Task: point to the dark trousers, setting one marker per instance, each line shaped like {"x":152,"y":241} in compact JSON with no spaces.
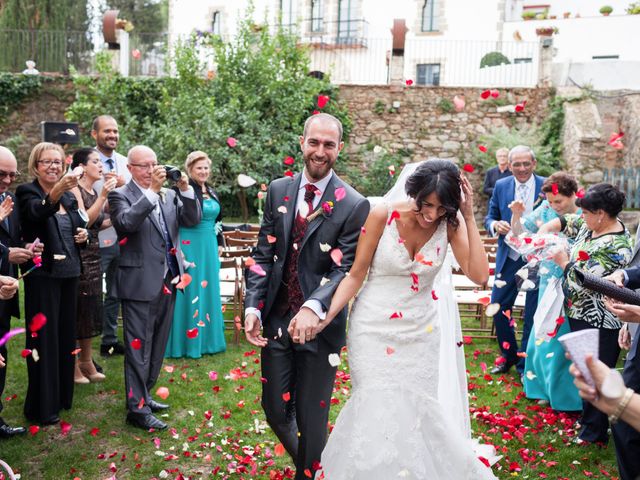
{"x":150,"y":322}
{"x":304,"y":372}
{"x":109,"y":263}
{"x":506,"y":297}
{"x":627,"y":438}
{"x":595,"y":424}
{"x":5,"y":326}
{"x":51,"y":384}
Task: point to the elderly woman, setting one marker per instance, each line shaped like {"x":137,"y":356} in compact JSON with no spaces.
{"x":198,"y":306}
{"x":89,"y":316}
{"x":546,"y":369}
{"x":50,"y":213}
{"x":601,"y":245}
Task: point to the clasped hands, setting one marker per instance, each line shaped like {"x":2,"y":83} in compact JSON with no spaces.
{"x":305,"y":326}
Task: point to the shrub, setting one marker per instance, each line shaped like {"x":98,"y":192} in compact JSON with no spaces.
{"x":607,"y":9}
{"x":16,"y":88}
{"x":493,"y":59}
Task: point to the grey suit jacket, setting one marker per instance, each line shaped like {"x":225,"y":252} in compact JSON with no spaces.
{"x":142,"y":256}
{"x":340,"y":229}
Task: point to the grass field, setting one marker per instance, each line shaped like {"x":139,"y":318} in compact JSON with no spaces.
{"x":217,"y":428}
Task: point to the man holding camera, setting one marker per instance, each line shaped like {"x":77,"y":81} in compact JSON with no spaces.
{"x":146,"y":218}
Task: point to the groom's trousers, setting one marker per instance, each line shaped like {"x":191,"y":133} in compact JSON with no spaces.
{"x":297,"y":392}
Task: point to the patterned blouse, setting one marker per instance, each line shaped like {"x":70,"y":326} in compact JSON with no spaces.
{"x":598,"y":255}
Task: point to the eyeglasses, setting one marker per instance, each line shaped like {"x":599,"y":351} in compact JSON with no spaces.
{"x":144,"y":166}
{"x":11,"y":175}
{"x":48,"y":163}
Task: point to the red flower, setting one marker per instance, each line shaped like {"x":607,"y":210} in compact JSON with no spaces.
{"x":482,"y":148}
{"x":467,"y":167}
{"x":583,"y":256}
{"x":288,"y":173}
{"x":408,"y":82}
{"x":554,"y":188}
{"x":289,"y":161}
{"x":232,"y":142}
{"x":520,"y":106}
{"x":580,"y":193}
{"x":485,"y":94}
{"x":322,"y":101}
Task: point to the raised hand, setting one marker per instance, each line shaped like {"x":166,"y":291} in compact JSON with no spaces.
{"x":6,"y":207}
{"x":466,"y":202}
{"x":517,"y":207}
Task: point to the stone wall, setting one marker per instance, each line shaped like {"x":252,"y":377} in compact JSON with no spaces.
{"x":420,"y":127}
{"x":630,"y":125}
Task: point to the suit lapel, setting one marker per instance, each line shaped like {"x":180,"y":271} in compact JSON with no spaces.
{"x":287,"y":219}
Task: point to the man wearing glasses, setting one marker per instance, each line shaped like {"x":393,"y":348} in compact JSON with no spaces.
{"x":105,"y":132}
{"x":150,"y":265}
{"x":11,"y":254}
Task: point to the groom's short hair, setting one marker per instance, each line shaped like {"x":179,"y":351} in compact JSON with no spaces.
{"x":322,"y":116}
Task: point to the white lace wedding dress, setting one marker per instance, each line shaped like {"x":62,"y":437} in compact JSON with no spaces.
{"x":395,"y":425}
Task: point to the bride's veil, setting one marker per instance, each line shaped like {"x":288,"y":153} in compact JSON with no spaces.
{"x":452,"y":395}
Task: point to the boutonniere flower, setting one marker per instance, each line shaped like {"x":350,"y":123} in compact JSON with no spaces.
{"x":326,"y":209}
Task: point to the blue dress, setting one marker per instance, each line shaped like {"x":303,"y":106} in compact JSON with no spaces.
{"x":546,"y":369}
{"x":199,"y":306}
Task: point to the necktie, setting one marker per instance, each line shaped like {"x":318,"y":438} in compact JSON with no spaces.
{"x":523,"y":193}
{"x":172,"y":262}
{"x":309,"y":195}
{"x":110,"y":164}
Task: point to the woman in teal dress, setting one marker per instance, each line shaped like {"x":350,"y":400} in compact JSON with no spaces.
{"x":198,"y":305}
{"x":547,"y":376}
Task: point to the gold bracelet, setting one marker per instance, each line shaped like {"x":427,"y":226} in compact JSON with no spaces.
{"x":626,"y":398}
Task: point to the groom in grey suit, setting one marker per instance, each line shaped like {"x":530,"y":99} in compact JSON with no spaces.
{"x":295,"y":277}
{"x":146,"y":218}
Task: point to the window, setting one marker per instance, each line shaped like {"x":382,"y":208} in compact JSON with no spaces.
{"x":288,"y":13}
{"x":523,"y":60}
{"x":428,"y":74}
{"x":215,"y":23}
{"x":605,"y":57}
{"x":347,"y":24}
{"x":429,"y":23}
{"x":316,"y":16}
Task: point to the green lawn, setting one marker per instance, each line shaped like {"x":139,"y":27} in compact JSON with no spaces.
{"x":217,"y":428}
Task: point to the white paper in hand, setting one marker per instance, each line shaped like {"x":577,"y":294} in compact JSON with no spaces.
{"x":578,"y":345}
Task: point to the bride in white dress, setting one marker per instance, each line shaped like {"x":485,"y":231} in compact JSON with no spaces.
{"x":408,"y":414}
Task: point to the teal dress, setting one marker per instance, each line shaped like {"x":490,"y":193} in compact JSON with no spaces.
{"x":546,"y":369}
{"x":199,"y":306}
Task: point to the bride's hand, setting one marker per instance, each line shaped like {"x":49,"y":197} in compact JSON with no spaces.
{"x":303,"y":327}
{"x":466,"y":202}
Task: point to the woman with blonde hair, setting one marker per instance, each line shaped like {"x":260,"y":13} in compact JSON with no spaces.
{"x":51,"y":214}
{"x":198,"y":307}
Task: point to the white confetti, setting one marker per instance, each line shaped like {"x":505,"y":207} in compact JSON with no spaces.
{"x":550,"y":354}
{"x":530,"y":375}
{"x":325,"y":247}
{"x":499,"y":283}
{"x":523,"y":273}
{"x":528,"y":285}
{"x":334,"y":359}
{"x":35,"y":355}
{"x":195,"y":300}
{"x":492,"y":309}
{"x":282,"y":209}
{"x":324,"y":281}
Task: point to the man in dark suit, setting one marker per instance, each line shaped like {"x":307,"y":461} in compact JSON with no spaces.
{"x":295,"y":276}
{"x":627,"y":438}
{"x":523,"y":186}
{"x":496,"y":173}
{"x":147,"y":218}
{"x":11,"y":254}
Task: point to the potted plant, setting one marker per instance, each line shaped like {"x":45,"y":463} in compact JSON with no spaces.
{"x":528,"y":15}
{"x":606,"y":10}
{"x":546,"y":31}
{"x":566,"y":14}
{"x":634,"y":8}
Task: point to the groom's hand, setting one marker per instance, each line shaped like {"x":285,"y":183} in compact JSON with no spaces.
{"x":252,"y":329}
{"x":302,"y":327}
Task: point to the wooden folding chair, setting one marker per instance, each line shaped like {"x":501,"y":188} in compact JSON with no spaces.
{"x":232,"y":294}
{"x":241,"y":242}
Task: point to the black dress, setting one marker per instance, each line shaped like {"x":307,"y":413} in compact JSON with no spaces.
{"x":89,"y":319}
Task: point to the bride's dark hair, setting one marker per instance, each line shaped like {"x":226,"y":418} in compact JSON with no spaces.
{"x":441,"y":177}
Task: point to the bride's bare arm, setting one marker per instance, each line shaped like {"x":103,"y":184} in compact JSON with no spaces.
{"x":465,"y":240}
{"x":367,"y":244}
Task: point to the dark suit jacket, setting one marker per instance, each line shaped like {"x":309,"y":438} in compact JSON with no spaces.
{"x":142,"y":257}
{"x":340,"y":229}
{"x":503,"y":195}
{"x":10,"y":238}
{"x":491,"y":177}
{"x":37,"y":219}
